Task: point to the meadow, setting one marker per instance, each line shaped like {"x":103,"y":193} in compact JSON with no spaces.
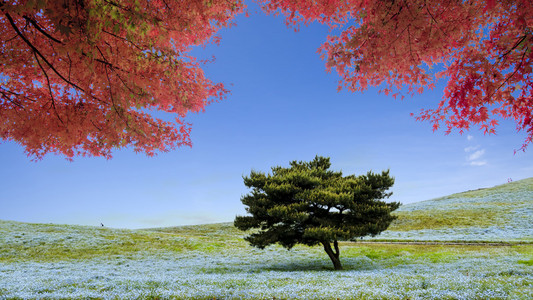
{"x":49,"y":261}
{"x":499,"y":214}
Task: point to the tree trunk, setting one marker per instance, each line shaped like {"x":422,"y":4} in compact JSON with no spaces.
{"x":334,"y":256}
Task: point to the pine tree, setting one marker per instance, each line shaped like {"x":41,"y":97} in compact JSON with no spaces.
{"x":309,"y":204}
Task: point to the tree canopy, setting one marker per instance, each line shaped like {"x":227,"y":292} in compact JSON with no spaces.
{"x":82,"y":77}
{"x":309,"y":204}
{"x":482,"y":47}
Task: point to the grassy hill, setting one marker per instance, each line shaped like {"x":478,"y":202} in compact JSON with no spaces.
{"x":214,"y":262}
{"x":500,"y":213}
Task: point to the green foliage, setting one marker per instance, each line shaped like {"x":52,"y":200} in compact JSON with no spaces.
{"x":309,"y":204}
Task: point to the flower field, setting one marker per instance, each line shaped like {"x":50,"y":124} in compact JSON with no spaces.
{"x":500,"y":214}
{"x":47,"y":261}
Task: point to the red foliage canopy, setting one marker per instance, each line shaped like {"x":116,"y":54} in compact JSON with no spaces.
{"x":483,"y":48}
{"x":82,"y":76}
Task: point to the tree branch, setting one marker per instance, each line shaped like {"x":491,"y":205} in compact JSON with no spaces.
{"x":49,"y":88}
{"x":514,"y":47}
{"x":36,"y":51}
{"x":509,"y":77}
{"x":18,"y":95}
{"x":123,"y":39}
{"x":119,"y":113}
{"x":15,"y":102}
{"x":336,"y":245}
{"x":410,"y":49}
{"x":36,"y":25}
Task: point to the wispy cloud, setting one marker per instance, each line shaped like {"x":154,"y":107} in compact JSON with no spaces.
{"x":476,"y":155}
{"x":471,"y":148}
{"x":478,"y":163}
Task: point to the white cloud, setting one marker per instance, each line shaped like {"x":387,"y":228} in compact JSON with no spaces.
{"x":469,"y":137}
{"x":476,"y":155}
{"x":474,"y":158}
{"x":471,"y":148}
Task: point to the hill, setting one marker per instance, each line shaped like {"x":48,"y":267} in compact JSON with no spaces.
{"x":503,"y":213}
{"x":500,"y":213}
{"x":49,"y":261}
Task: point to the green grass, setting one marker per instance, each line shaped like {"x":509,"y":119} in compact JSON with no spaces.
{"x":212,"y":261}
{"x":528,"y":262}
{"x":512,"y":187}
{"x":423,"y":219}
{"x":200,"y":238}
{"x":500,"y":213}
{"x":209,"y":261}
{"x":49,"y":243}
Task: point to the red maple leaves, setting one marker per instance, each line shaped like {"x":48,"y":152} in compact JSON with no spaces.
{"x":85,"y":76}
{"x":483,"y":48}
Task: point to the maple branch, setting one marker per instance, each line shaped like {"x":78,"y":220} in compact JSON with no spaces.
{"x":410,"y":49}
{"x":121,"y":38}
{"x":34,"y":23}
{"x":166,"y":4}
{"x":509,"y":77}
{"x":99,"y":129}
{"x":105,"y":62}
{"x":514,"y":47}
{"x":16,"y":94}
{"x":113,"y":67}
{"x":130,"y":89}
{"x":394,"y":15}
{"x":37,"y":52}
{"x":129,"y":10}
{"x":120,"y":112}
{"x":433,"y":18}
{"x":409,"y":9}
{"x":105,"y":59}
{"x":16,"y":102}
{"x":399,"y":35}
{"x":69,"y":65}
{"x":431,"y":15}
{"x":117,"y":5}
{"x":111,"y":92}
{"x":10,"y":39}
{"x":49,"y":88}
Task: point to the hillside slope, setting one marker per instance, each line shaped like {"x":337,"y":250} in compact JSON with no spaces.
{"x":500,"y":213}
{"x":49,"y":261}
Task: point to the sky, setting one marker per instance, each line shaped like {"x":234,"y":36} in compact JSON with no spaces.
{"x":283,"y":106}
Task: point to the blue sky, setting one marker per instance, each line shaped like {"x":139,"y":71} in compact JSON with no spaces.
{"x":283,"y":107}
